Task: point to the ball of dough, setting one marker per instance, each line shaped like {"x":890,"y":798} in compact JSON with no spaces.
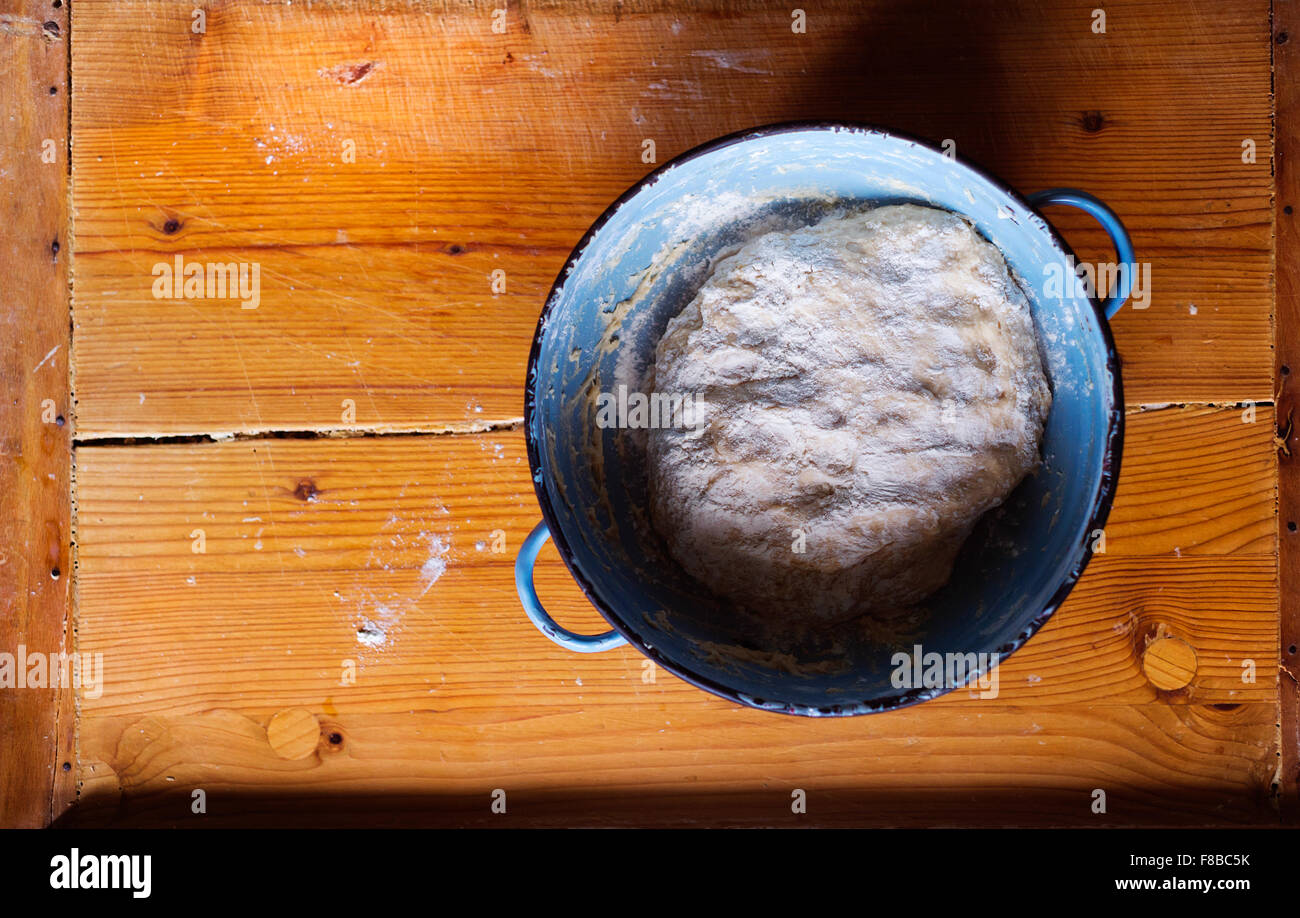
{"x":865,"y":389}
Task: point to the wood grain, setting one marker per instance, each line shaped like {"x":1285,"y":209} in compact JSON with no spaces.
{"x":696,"y":763}
{"x":478,"y":151}
{"x":347,"y":588}
{"x":1286,"y":86}
{"x":37,"y":725}
{"x":317,"y":559}
{"x":1196,"y":480}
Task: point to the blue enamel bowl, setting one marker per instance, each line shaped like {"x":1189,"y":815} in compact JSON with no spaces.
{"x":645,"y":258}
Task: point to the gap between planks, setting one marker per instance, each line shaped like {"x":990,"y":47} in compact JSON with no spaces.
{"x":324,"y":433}
{"x":505,"y":424}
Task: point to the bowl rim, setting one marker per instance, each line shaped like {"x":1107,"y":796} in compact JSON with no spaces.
{"x":1097,"y":515}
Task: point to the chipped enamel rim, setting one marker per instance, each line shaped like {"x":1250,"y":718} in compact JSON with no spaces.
{"x":1104,"y":497}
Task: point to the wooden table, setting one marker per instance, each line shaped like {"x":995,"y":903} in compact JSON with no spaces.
{"x":291,"y":528}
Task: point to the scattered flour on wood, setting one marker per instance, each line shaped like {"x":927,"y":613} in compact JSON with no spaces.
{"x":408,"y":566}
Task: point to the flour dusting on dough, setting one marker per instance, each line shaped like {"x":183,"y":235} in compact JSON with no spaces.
{"x":870,"y":386}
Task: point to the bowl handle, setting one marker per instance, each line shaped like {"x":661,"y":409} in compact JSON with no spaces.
{"x":582,"y":643}
{"x":1113,"y":227}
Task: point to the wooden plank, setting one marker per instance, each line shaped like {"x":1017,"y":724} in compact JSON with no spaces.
{"x":1286,"y":354}
{"x":477,"y":151}
{"x":700,"y":763}
{"x":37,"y":723}
{"x":259,"y":641}
{"x":1181,"y":548}
{"x":140,"y":506}
{"x":1195,"y":481}
{"x":318,"y":552}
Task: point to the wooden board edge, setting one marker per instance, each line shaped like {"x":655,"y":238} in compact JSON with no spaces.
{"x":1286,"y":355}
{"x":36,"y":414}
